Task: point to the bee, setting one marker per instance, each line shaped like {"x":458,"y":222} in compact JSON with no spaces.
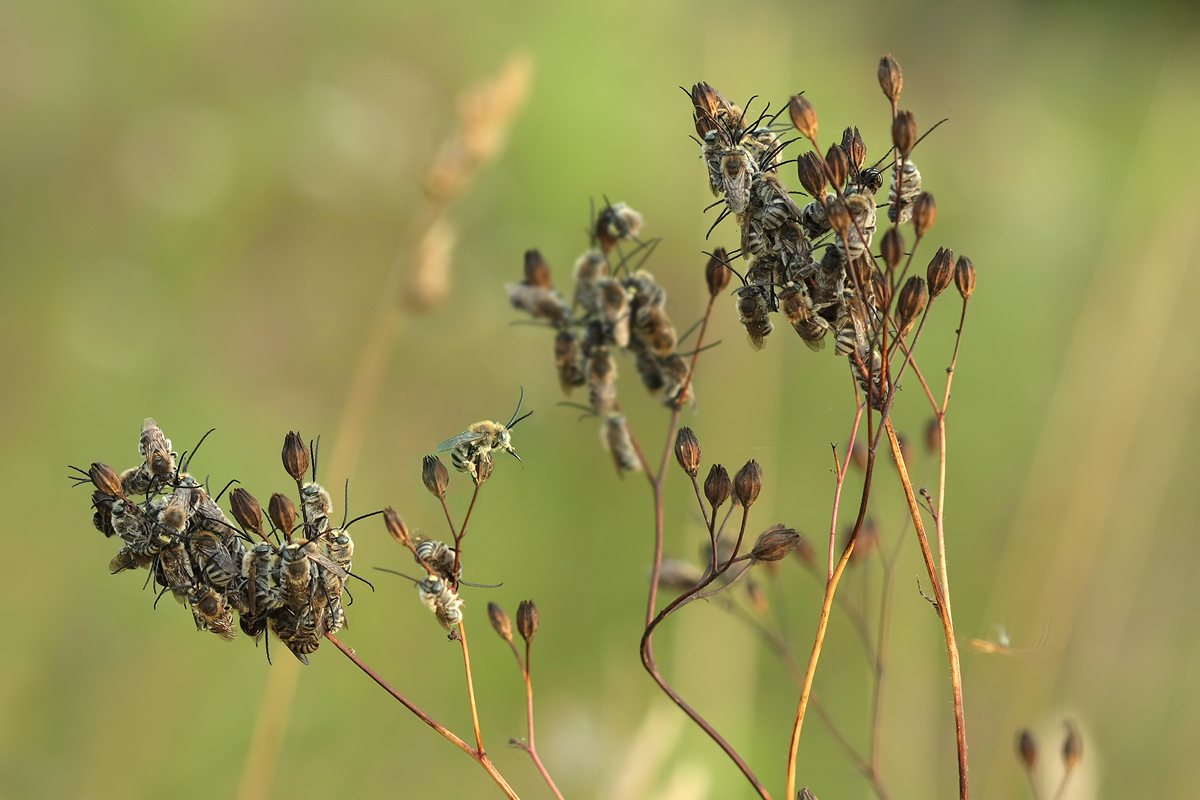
{"x":675,"y":372}
{"x":439,"y":557}
{"x":317,"y":508}
{"x":813,"y":219}
{"x":474,"y":445}
{"x":589,"y":269}
{"x":440,"y":598}
{"x":341,"y":548}
{"x":538,"y":302}
{"x":295,"y":576}
{"x":650,"y":368}
{"x":155,"y":448}
{"x":260,"y":568}
{"x":175,"y":513}
{"x":614,"y":300}
{"x":764,"y":147}
{"x":644,"y":290}
{"x":909,"y":187}
{"x":134,"y":528}
{"x":616,"y":223}
{"x":601,"y":379}
{"x":829,"y":280}
{"x":615,"y":435}
{"x":211,"y":613}
{"x":218,"y":567}
{"x":879,"y":390}
{"x":859,"y":234}
{"x":868,"y":182}
{"x":794,"y":251}
{"x":850,"y":331}
{"x":770,"y":205}
{"x":568,"y":360}
{"x":136,"y":480}
{"x":736,"y":170}
{"x":753,"y":305}
{"x":290,"y":629}
{"x":173,"y":568}
{"x":127,"y":559}
{"x":715,"y":143}
{"x":653,"y":327}
{"x":797,"y":307}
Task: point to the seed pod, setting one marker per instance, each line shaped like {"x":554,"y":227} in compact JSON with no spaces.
{"x":883,"y":289}
{"x":500,"y":621}
{"x":434,"y":476}
{"x":748,"y":483}
{"x":687,"y":451}
{"x":811,"y":172}
{"x":717,"y":486}
{"x":396,"y":527}
{"x":904,"y":133}
{"x":775,"y":543}
{"x":855,"y":149}
{"x":295,"y":456}
{"x":246,"y":510}
{"x":837,"y":166}
{"x":964,"y":277}
{"x":891,"y":79}
{"x":804,"y":117}
{"x":940,"y":272}
{"x":716,"y":273}
{"x":106,"y":479}
{"x":924,"y":213}
{"x":527,"y":620}
{"x":1027,"y":749}
{"x":1072,"y":750}
{"x":892,"y":247}
{"x":910,"y":304}
{"x":806,"y":794}
{"x":483,"y":469}
{"x":838,"y":215}
{"x":537,"y":271}
{"x":282,"y":512}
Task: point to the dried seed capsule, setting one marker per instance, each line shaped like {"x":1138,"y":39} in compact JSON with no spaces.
{"x":924,"y":213}
{"x":246,"y":510}
{"x":106,"y":479}
{"x":904,"y":133}
{"x":806,"y":794}
{"x":295,"y":456}
{"x":1027,"y":749}
{"x":747,"y":483}
{"x":891,"y":79}
{"x":1072,"y":750}
{"x":837,"y":166}
{"x":717,"y":273}
{"x":940,"y":272}
{"x":500,"y":621}
{"x":804,"y":117}
{"x":717,"y":486}
{"x":527,"y":620}
{"x":396,"y":526}
{"x":838,"y":215}
{"x":687,"y":451}
{"x":855,"y":149}
{"x":811,"y":171}
{"x":434,"y":476}
{"x":537,"y":271}
{"x":892,"y":247}
{"x":964,"y":277}
{"x":775,"y":543}
{"x":883,"y":289}
{"x":282,"y":512}
{"x":910,"y":304}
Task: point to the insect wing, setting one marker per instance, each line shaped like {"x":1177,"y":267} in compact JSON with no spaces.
{"x":466,"y":437}
{"x":328,"y":564}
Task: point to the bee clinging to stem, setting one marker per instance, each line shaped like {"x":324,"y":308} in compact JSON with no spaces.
{"x":474,"y":445}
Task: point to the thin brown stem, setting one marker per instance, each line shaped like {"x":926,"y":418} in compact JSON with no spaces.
{"x":941,"y":418}
{"x":1062,"y":787}
{"x":531,"y":748}
{"x":462,"y":635}
{"x":462,"y":532}
{"x":841,"y":478}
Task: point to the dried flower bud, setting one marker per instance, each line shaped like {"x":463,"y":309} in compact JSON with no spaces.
{"x":748,"y":483}
{"x":910,"y":304}
{"x":537,"y":271}
{"x":892,"y":247}
{"x":434,"y":476}
{"x":883,"y":288}
{"x":837,"y":166}
{"x":717,"y":486}
{"x":838,"y":215}
{"x":500,"y":621}
{"x":811,"y":171}
{"x":105,"y":479}
{"x":396,"y":526}
{"x":933,"y":436}
{"x":1072,"y":750}
{"x":806,"y":794}
{"x":282,"y":512}
{"x":717,"y":272}
{"x":687,"y":451}
{"x":246,"y":510}
{"x":527,"y":620}
{"x":1027,"y":749}
{"x":924,"y":213}
{"x":904,"y":133}
{"x":295,"y":456}
{"x":775,"y":543}
{"x":940,"y":272}
{"x":804,"y":117}
{"x":964,"y":277}
{"x":483,"y":469}
{"x":891,"y":79}
{"x":855,"y":149}
{"x":706,"y":98}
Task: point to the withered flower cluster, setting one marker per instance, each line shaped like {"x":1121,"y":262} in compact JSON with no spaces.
{"x":615,"y":307}
{"x":170,"y":525}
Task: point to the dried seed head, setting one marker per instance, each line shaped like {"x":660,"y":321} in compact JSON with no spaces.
{"x":891,"y":79}
{"x":910,"y":304}
{"x":246,"y":510}
{"x":811,"y":171}
{"x":1027,"y":749}
{"x":537,"y":271}
{"x":940,"y":272}
{"x":855,"y":149}
{"x":687,"y":451}
{"x":892,"y":247}
{"x":806,"y":794}
{"x":295,"y":456}
{"x":933,"y":436}
{"x":500,"y":621}
{"x":396,"y":527}
{"x":964,"y":277}
{"x":804,"y":117}
{"x":904,"y":133}
{"x":716,"y":273}
{"x":924,"y":213}
{"x":1072,"y":750}
{"x":775,"y":543}
{"x":883,"y":289}
{"x":434,"y":476}
{"x":707,"y":101}
{"x":838,"y":215}
{"x":483,"y":469}
{"x":105,"y":479}
{"x":717,"y":486}
{"x":748,"y":483}
{"x":282,"y":512}
{"x":527,"y":620}
{"x":837,"y":165}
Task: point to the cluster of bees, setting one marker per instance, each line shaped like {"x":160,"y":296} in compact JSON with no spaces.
{"x":616,"y":307}
{"x":289,"y":578}
{"x":811,"y":262}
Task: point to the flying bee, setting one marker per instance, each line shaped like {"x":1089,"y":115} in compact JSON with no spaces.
{"x":601,"y":379}
{"x":156,"y":449}
{"x":736,"y":170}
{"x":615,"y":435}
{"x":797,"y":307}
{"x":568,"y":360}
{"x":589,"y":269}
{"x":440,"y":598}
{"x":753,"y":305}
{"x":616,"y":223}
{"x":859,"y":234}
{"x":474,"y":445}
{"x":211,"y":613}
{"x":909,"y":179}
{"x":614,"y":301}
{"x":675,"y":373}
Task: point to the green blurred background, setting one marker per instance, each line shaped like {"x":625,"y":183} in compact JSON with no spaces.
{"x":202,"y":201}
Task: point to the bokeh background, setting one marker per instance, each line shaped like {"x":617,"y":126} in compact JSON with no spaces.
{"x":203,"y":203}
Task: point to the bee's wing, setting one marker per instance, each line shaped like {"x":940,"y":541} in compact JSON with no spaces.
{"x":466,"y":437}
{"x":328,"y":564}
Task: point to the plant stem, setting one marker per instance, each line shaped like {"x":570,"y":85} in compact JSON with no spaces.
{"x":462,"y":635}
{"x":458,"y":537}
{"x":531,"y":749}
{"x":841,"y":478}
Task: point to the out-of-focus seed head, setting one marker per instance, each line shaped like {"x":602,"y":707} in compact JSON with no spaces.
{"x":904,"y":133}
{"x":748,"y":483}
{"x":892,"y":247}
{"x":964,"y":277}
{"x":687,"y":451}
{"x":856,"y":150}
{"x":434,"y":476}
{"x":758,"y":598}
{"x":396,"y":526}
{"x":295,"y":456}
{"x":775,"y":543}
{"x":910,"y":304}
{"x":810,"y":169}
{"x":806,"y":553}
{"x":891,"y":79}
{"x":1072,"y":750}
{"x":246,"y":510}
{"x":940,"y":272}
{"x":717,"y":486}
{"x":806,"y":794}
{"x":933,"y":436}
{"x":537,"y":271}
{"x":804,"y":117}
{"x":716,"y":272}
{"x":883,"y":289}
{"x":858,"y":456}
{"x":1027,"y":749}
{"x":678,"y":575}
{"x":924,"y":213}
{"x":500,"y":621}
{"x":527,"y":619}
{"x":282,"y":512}
{"x":105,"y":479}
{"x":837,"y":165}
{"x":838,"y":215}
{"x":867,"y":542}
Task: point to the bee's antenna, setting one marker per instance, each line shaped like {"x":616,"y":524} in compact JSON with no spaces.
{"x":231,"y":483}
{"x":187,"y":462}
{"x":513,"y":424}
{"x":345,"y":503}
{"x":314,"y":448}
{"x":401,"y":574}
{"x":513,"y":421}
{"x":364,"y":580}
{"x":725,"y":213}
{"x":914,"y":147}
{"x":482,"y":585}
{"x":356,"y":519}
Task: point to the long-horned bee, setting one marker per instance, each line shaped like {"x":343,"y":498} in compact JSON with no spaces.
{"x":473,"y":446}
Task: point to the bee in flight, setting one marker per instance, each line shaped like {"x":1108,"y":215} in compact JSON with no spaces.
{"x":472,"y":448}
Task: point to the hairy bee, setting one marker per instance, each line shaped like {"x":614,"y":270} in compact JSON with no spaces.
{"x":649,"y":366}
{"x":340,"y":548}
{"x":614,"y":301}
{"x":794,"y":251}
{"x":473,"y":446}
{"x":442,"y":600}
{"x":797,"y":307}
{"x":296,"y":633}
{"x":859,"y":234}
{"x":175,"y":513}
{"x":753,"y":305}
{"x":850,"y":331}
{"x":317,"y":508}
{"x":173,"y":568}
{"x":616,"y":223}
{"x":813,"y":219}
{"x":601,"y":378}
{"x":440,"y":558}
{"x":568,"y":360}
{"x":675,"y":370}
{"x":737,"y":168}
{"x":211,"y":613}
{"x":538,"y":302}
{"x":589,"y":269}
{"x":764,"y":147}
{"x":615,"y":435}
{"x":127,"y":559}
{"x":135,"y":528}
{"x":260,"y":568}
{"x":900,"y":207}
{"x":296,"y":578}
{"x":155,"y":448}
{"x":654,"y":330}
